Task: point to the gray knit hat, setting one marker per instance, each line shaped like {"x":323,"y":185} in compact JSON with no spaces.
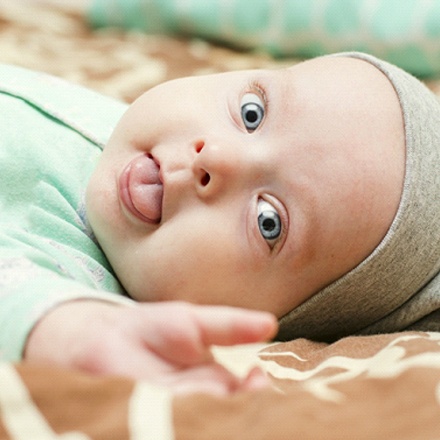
{"x":397,"y":286}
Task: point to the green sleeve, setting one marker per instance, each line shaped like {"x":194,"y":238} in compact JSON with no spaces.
{"x":29,"y":292}
{"x":51,"y":136}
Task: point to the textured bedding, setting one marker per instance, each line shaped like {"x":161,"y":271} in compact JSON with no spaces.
{"x":114,"y":62}
{"x":375,"y":387}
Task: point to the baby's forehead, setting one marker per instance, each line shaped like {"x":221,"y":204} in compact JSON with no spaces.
{"x":342,"y":82}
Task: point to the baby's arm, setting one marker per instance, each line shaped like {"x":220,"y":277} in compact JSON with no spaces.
{"x":48,"y":318}
{"x":164,"y":343}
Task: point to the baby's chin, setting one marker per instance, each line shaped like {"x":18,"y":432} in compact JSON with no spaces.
{"x":145,"y":291}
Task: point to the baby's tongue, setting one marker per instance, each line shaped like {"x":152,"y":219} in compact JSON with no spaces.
{"x":146,"y":188}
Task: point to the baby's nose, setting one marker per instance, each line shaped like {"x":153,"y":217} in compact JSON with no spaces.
{"x":214,"y":167}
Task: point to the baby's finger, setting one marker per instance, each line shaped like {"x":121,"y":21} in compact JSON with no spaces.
{"x":192,"y":329}
{"x":256,"y":379}
{"x":212,"y":379}
{"x":230,"y":326}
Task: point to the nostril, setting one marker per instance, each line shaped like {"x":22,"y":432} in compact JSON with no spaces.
{"x":205,"y":179}
{"x":199,"y":146}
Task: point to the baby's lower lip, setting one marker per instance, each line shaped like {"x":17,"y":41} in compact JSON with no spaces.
{"x":141,"y":190}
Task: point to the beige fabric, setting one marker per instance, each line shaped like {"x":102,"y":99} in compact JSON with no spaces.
{"x":398,"y":284}
{"x":375,"y":387}
{"x":371,"y":387}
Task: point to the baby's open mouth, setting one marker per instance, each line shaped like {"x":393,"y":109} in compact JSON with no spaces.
{"x":141,"y":190}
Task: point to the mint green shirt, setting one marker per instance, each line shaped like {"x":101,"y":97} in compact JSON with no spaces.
{"x":51,"y":136}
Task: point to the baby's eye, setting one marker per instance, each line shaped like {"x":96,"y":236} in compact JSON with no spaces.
{"x":252,"y":111}
{"x":269,"y":222}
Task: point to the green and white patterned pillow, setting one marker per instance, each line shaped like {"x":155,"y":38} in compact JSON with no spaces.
{"x":404,"y":32}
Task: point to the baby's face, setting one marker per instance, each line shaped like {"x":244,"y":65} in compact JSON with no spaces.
{"x":253,"y":188}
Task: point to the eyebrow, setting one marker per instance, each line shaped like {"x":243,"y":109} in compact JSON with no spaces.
{"x":288,"y":92}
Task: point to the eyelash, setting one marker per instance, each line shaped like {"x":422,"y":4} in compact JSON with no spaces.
{"x":255,"y":86}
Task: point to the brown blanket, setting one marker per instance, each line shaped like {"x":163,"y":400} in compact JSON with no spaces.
{"x":376,"y":387}
{"x":123,"y":65}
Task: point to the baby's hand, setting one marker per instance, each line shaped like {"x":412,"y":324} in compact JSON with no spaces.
{"x":164,"y":343}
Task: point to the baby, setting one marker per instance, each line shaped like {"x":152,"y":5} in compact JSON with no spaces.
{"x":309,"y":192}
